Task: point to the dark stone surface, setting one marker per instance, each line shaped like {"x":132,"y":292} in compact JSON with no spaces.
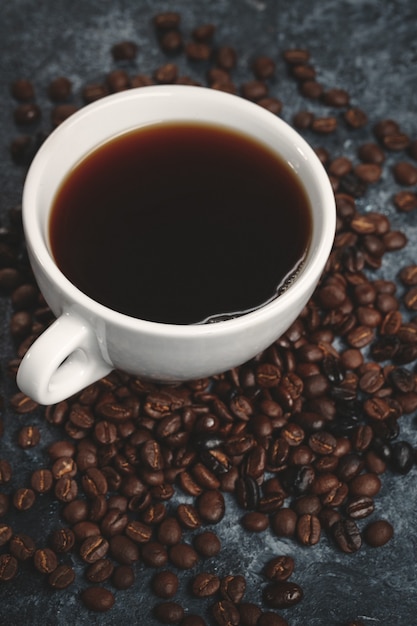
{"x":368,"y":47}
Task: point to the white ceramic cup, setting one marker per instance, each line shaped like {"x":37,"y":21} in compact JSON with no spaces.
{"x":88,"y":340}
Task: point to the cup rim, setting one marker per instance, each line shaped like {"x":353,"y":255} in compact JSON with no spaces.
{"x":308,"y":276}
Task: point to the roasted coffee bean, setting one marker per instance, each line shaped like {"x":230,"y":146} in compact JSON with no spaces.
{"x":255,"y":521}
{"x":279,"y":595}
{"x":355,"y":117}
{"x":97,"y":599}
{"x":61,"y":577}
{"x":8,"y":567}
{"x":322,"y":442}
{"x":99,"y":571}
{"x":123,"y":577}
{"x":279,"y":568}
{"x":359,"y":507}
{"x":207,"y":544}
{"x":94,"y":548}
{"x":27,"y":113}
{"x":24,"y":499}
{"x":29,"y":436}
{"x":66,"y":489}
{"x":189,"y":516}
{"x":123,"y":550}
{"x":378,"y":533}
{"x":62,"y":540}
{"x":402,"y":457}
{"x":22,"y":89}
{"x":225,"y":613}
{"x":45,"y":560}
{"x":169,"y":612}
{"x":183,"y":556}
{"x":367,"y":484}
{"x":233,"y":588}
{"x":346,"y":535}
{"x":169,"y":531}
{"x":94,"y":482}
{"x":5,"y":471}
{"x":226,"y":57}
{"x":59,"y":89}
{"x":22,"y":547}
{"x":124,"y":51}
{"x":249,"y":613}
{"x":284,"y":522}
{"x":165,"y":584}
{"x":154,"y":554}
{"x":204,"y":32}
{"x":308,"y":529}
{"x":336,"y":97}
{"x":41,"y":480}
{"x":6,"y":533}
{"x":211,"y":506}
{"x":405,"y":173}
{"x":205,"y":585}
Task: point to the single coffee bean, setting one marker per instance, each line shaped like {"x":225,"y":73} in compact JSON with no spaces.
{"x":225,"y":613}
{"x":308,"y":529}
{"x":6,"y":533}
{"x":61,"y":577}
{"x":59,"y":89}
{"x":183,"y":556}
{"x":280,"y":595}
{"x":255,"y":521}
{"x":124,"y":550}
{"x":402,"y":457}
{"x":280,"y":568}
{"x":22,"y":547}
{"x":123,"y":577}
{"x":271,"y":619}
{"x":211,"y":506}
{"x":284,"y":522}
{"x":62,"y":540}
{"x":207,"y":544}
{"x":249,"y":613}
{"x":165,"y":584}
{"x":188,"y":516}
{"x":99,"y":571}
{"x":154,"y":554}
{"x":8,"y":567}
{"x":378,"y":533}
{"x":94,"y":548}
{"x":41,"y":480}
{"x":45,"y":560}
{"x":346,"y":535}
{"x":169,"y":612}
{"x":124,"y":51}
{"x":22,"y":89}
{"x":98,"y":599}
{"x":359,"y":507}
{"x":205,"y":584}
{"x":233,"y":588}
{"x":367,"y":484}
{"x":169,"y":531}
{"x":5,"y":471}
{"x":138,"y":532}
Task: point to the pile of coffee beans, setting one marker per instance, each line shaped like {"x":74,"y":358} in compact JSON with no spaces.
{"x":300,"y":436}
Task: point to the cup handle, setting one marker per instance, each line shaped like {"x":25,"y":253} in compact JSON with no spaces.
{"x":65,"y":359}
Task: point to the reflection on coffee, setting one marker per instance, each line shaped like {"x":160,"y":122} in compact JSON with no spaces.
{"x":181,"y":223}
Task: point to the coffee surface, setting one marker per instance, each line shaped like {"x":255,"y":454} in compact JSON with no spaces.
{"x":181,"y":223}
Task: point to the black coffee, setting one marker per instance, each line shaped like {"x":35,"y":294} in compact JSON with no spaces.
{"x":181,"y":223}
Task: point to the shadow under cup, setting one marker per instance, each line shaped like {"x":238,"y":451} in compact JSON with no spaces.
{"x":164,"y":352}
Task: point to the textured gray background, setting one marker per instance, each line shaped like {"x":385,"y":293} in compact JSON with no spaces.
{"x":366,"y":46}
